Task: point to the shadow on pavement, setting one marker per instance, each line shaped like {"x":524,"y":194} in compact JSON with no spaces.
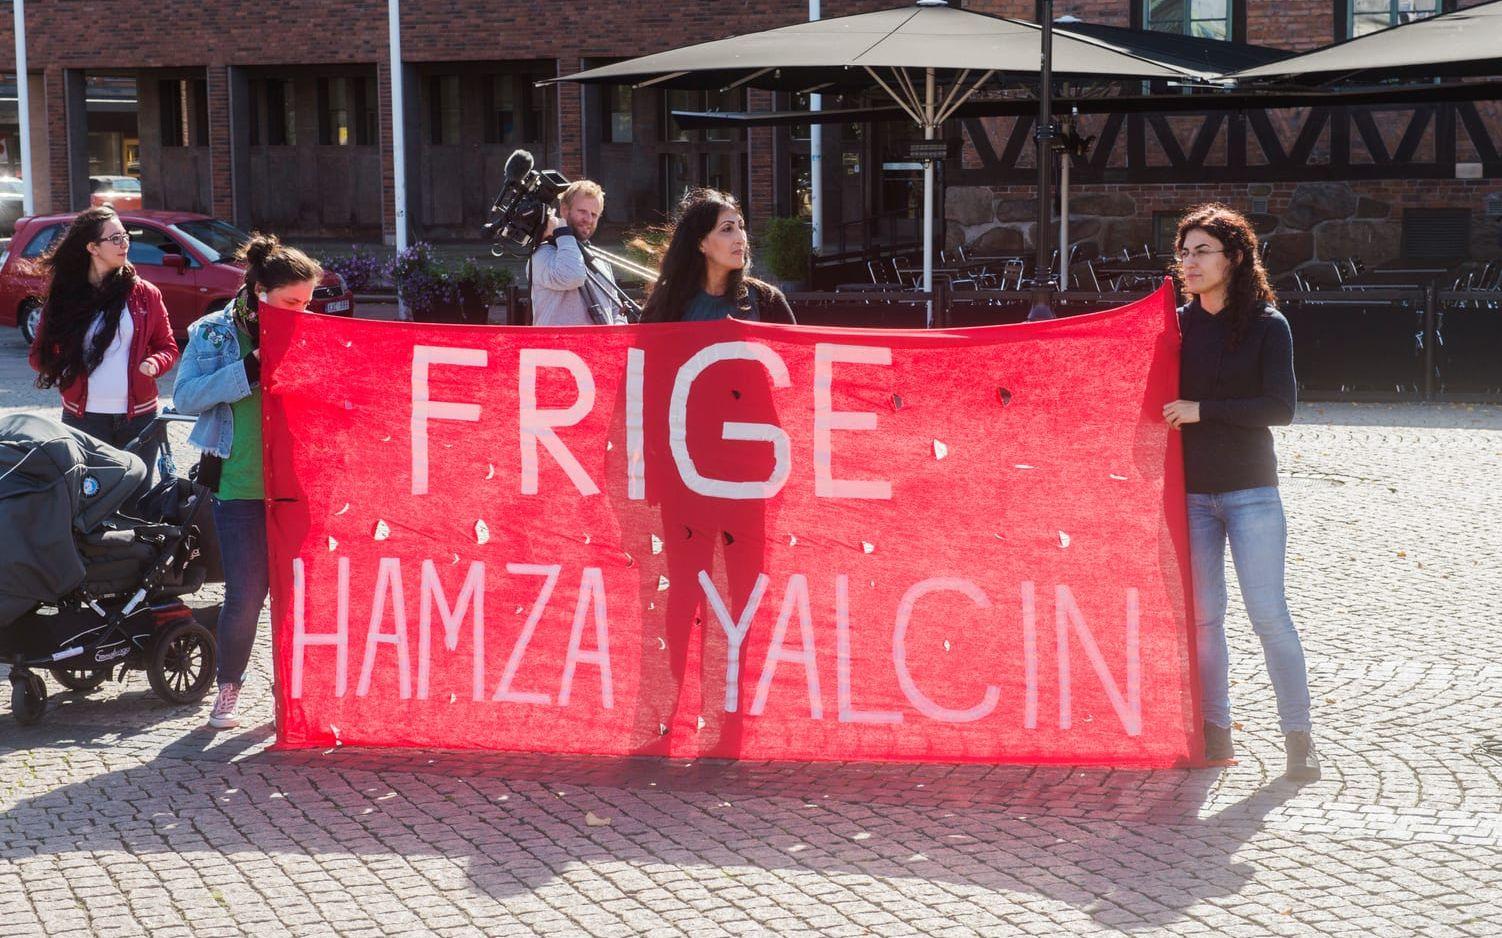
{"x":1132,"y":850}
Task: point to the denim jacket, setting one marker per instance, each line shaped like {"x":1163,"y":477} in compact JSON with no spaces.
{"x":210,"y":378}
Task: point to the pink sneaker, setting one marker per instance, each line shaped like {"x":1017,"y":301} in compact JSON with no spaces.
{"x":223,"y":715}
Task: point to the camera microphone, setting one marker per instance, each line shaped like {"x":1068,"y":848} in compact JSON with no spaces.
{"x":518,"y":165}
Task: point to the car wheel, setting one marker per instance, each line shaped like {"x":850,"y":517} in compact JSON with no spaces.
{"x":30,"y":319}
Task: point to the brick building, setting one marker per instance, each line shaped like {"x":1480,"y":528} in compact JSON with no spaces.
{"x":279,"y":116}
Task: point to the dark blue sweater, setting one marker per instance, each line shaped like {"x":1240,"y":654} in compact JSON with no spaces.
{"x":1241,"y":392}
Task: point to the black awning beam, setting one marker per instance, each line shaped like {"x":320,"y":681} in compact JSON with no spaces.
{"x":1372,"y":96}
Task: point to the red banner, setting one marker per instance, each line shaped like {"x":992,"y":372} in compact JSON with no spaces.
{"x":731,"y":539}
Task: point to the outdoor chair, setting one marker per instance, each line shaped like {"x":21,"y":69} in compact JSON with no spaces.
{"x":1094,"y":280}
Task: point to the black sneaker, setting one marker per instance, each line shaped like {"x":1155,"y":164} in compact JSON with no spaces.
{"x":1303,"y":763}
{"x":1218,"y":746}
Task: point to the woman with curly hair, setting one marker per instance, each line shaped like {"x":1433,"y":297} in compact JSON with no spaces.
{"x":1236,"y":380}
{"x":705,"y":271}
{"x":104,"y":336}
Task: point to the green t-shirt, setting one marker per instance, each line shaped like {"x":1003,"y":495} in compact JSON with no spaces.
{"x":242,"y":476}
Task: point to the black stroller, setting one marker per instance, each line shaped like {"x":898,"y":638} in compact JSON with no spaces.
{"x":86,"y":588}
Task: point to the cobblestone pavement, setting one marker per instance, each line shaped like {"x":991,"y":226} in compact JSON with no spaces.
{"x":123,"y":816}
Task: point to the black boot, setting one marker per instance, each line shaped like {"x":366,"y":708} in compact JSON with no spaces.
{"x":1303,"y":763}
{"x":1218,"y":746}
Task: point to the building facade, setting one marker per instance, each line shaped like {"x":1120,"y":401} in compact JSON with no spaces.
{"x":280,"y":117}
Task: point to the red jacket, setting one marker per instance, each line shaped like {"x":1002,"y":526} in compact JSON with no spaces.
{"x":152,"y":339}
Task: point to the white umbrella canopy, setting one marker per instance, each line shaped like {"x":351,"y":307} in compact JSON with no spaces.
{"x":837,"y":52}
{"x":871,"y":52}
{"x":1462,"y":42}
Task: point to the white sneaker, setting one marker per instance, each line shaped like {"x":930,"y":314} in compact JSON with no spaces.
{"x":223,"y":716}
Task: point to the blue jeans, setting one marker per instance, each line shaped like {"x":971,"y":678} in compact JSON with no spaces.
{"x":1252,"y":520}
{"x":241,"y":523}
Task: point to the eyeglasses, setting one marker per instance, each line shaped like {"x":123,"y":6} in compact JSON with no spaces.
{"x":119,"y":239}
{"x":1197,"y":255}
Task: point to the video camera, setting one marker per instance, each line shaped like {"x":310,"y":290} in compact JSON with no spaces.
{"x":519,"y":216}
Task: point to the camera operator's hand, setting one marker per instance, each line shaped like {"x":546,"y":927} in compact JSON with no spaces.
{"x":554,"y":223}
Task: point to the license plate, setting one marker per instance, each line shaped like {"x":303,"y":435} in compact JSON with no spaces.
{"x":338,"y":306}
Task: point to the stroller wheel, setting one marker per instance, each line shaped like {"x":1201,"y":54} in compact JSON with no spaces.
{"x":28,"y":697}
{"x":81,"y":680}
{"x":183,"y":660}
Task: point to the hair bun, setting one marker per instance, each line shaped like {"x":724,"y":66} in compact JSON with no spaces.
{"x":259,"y":247}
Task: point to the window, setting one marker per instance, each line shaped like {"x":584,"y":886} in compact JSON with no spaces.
{"x":42,"y":241}
{"x":725,"y":101}
{"x":346,"y":111}
{"x":678,"y":100}
{"x":273,"y":113}
{"x":218,"y":239}
{"x":200,"y":128}
{"x":516,"y":110}
{"x":1368,"y":16}
{"x":675,"y":179}
{"x":800,"y":131}
{"x":147,"y":245}
{"x":1205,"y":19}
{"x":173,"y":95}
{"x":618,"y":106}
{"x":802,"y":177}
{"x":719,"y":171}
{"x":1166,"y":231}
{"x":443,"y":110}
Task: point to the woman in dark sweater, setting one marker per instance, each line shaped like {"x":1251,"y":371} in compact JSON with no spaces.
{"x":705,"y":271}
{"x":1236,"y":381}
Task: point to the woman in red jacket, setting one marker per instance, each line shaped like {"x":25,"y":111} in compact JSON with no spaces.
{"x":104,"y":336}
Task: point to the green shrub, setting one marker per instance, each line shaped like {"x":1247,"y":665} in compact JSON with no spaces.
{"x":785,"y":248}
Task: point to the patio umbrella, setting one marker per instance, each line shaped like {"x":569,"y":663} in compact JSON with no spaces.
{"x":1464,"y":42}
{"x":954,"y":53}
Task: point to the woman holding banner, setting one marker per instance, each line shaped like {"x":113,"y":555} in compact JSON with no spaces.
{"x":1236,"y":381}
{"x":704,"y":272}
{"x":220,"y":380}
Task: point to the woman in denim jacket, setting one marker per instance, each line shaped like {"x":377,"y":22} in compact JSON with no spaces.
{"x":220,"y":381}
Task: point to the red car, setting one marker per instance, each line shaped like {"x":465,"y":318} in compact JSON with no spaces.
{"x":185,"y":255}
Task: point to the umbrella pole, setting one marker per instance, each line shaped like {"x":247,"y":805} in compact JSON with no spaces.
{"x":1064,"y":218}
{"x":1044,"y":136}
{"x":928,"y":193}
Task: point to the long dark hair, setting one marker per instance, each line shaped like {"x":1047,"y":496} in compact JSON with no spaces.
{"x":1249,"y":293}
{"x":73,"y":302}
{"x":682,"y":274}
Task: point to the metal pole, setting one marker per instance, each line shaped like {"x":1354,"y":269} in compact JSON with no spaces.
{"x":1431,"y":337}
{"x":928,"y":191}
{"x":1044,"y":137}
{"x":23,"y":108}
{"x":816,"y":158}
{"x":398,"y":135}
{"x":1064,"y":221}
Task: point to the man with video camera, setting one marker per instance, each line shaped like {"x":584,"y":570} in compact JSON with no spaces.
{"x":567,"y":282}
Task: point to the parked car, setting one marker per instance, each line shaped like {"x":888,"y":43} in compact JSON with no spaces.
{"x":12,"y":203}
{"x":187,"y":256}
{"x":123,"y":192}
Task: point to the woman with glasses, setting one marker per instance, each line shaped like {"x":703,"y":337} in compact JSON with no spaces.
{"x":1236,"y":381}
{"x":104,"y":336}
{"x":220,"y":381}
